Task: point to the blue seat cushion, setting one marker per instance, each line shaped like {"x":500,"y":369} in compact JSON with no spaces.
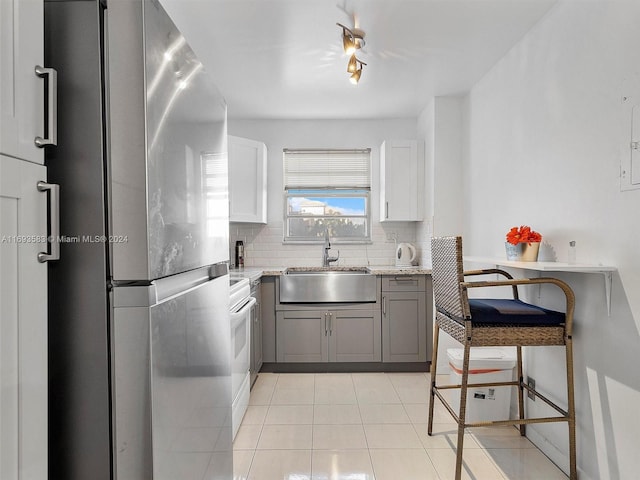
{"x":514,"y":312}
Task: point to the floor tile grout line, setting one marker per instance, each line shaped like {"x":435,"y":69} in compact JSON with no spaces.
{"x":253,"y":456}
{"x":358,"y":404}
{"x":424,"y":448}
{"x":366,"y":439}
{"x":497,"y":467}
{"x":263,"y":422}
{"x":313,"y":427}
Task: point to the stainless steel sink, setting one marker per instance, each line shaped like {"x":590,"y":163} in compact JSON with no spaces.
{"x":327,"y":285}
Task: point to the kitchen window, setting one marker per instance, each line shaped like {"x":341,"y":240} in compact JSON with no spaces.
{"x":327,"y":190}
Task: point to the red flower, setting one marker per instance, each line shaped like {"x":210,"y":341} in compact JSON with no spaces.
{"x":523,"y":234}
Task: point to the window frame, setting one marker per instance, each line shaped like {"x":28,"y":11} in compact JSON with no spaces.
{"x":327,"y":192}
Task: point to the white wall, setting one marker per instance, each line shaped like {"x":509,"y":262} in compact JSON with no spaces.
{"x":440,"y":125}
{"x":263,"y":244}
{"x":425,"y":131}
{"x":546,"y":130}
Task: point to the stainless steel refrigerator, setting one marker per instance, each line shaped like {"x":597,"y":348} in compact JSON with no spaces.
{"x":139,"y":334}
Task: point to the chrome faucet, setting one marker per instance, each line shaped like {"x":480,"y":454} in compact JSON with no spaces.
{"x":326,"y":258}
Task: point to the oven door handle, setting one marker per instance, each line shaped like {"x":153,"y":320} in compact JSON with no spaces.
{"x":240,"y":315}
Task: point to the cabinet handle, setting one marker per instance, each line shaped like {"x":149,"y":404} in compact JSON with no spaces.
{"x":52,"y":107}
{"x":384,"y":305}
{"x":326,"y":329}
{"x":386,"y":209}
{"x":54,"y":218}
{"x":330,"y":323}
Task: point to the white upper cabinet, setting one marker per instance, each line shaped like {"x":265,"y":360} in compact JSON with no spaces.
{"x":401,"y":181}
{"x":21,"y":89}
{"x":247,"y":180}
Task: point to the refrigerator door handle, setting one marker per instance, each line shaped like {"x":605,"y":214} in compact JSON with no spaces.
{"x":52,"y":107}
{"x":218,"y":270}
{"x":54,"y":218}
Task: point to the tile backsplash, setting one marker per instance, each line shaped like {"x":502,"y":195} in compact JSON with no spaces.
{"x":424,"y":231}
{"x":264,"y":246}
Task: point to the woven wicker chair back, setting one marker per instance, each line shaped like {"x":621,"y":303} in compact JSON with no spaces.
{"x":447,"y":274}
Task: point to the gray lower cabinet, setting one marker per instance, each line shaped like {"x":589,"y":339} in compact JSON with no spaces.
{"x":256,"y":332}
{"x":302,"y":336}
{"x":404,"y":319}
{"x":328,"y":336}
{"x":354,"y":336}
{"x":268,"y":316}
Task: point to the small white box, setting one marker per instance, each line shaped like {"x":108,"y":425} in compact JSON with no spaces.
{"x":486,"y":365}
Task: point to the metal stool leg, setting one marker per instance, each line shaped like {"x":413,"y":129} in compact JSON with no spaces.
{"x":523,"y":427}
{"x":573,"y":471}
{"x":463,"y":408}
{"x":434,"y":363}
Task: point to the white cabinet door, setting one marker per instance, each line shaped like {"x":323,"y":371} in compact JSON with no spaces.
{"x":21,"y":90}
{"x":247,"y":180}
{"x":400,"y":181}
{"x":23,"y":322}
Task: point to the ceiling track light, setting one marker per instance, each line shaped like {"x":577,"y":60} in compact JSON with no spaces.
{"x":353,"y":40}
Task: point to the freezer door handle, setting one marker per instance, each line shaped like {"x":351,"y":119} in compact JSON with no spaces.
{"x":52,"y":107}
{"x":54,"y":218}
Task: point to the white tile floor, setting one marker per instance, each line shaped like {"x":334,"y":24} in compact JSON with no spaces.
{"x":368,"y":426}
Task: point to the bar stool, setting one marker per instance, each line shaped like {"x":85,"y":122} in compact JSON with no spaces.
{"x":496,"y":322}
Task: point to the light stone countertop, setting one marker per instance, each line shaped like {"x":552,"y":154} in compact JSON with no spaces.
{"x":391,"y":270}
{"x":253,"y":273}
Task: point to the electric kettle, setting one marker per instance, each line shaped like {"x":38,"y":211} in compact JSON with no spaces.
{"x":405,"y":255}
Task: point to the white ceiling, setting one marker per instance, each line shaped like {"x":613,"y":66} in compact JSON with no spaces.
{"x":283,"y":59}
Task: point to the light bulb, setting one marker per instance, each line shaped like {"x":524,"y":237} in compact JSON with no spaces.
{"x":353,"y":64}
{"x":355,"y":78}
{"x":347,"y":44}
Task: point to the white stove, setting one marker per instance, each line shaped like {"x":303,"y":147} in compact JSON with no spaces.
{"x":241,"y":304}
{"x":239,"y":289}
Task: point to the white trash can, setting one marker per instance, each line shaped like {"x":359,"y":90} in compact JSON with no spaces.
{"x":485,"y":365}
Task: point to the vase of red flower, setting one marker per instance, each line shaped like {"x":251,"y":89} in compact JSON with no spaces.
{"x":523,"y":244}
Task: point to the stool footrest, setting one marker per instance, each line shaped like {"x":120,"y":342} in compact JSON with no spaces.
{"x":496,"y":423}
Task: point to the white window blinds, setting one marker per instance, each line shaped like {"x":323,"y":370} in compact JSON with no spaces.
{"x":327,"y":169}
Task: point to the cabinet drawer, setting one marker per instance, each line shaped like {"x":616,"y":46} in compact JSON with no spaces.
{"x":403,"y":283}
